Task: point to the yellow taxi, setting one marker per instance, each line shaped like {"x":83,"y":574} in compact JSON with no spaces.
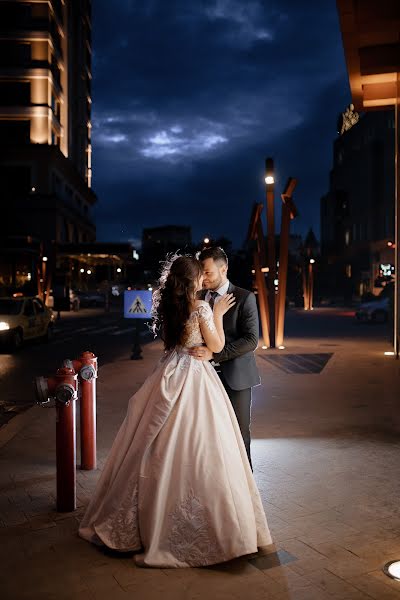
{"x":24,"y":318}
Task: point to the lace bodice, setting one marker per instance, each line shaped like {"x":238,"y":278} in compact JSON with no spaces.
{"x":202,"y":314}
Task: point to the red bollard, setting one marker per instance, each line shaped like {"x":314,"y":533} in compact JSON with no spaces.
{"x":86,"y":366}
{"x":63,"y":388}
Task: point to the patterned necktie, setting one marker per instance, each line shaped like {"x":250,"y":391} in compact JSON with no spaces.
{"x":213,"y":296}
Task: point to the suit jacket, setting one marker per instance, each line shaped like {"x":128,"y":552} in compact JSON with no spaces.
{"x":241,"y":329}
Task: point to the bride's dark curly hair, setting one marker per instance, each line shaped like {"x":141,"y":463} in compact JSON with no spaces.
{"x":174,"y":298}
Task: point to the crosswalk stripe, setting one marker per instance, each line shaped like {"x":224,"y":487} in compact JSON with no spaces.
{"x":59,"y":330}
{"x":109,"y":328}
{"x":122,"y":331}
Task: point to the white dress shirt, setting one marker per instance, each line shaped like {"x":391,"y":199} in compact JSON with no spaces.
{"x":221,"y":291}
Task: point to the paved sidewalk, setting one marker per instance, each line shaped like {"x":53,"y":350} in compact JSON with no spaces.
{"x":326,"y":459}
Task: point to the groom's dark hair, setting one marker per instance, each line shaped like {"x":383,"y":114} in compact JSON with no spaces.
{"x":214,"y":252}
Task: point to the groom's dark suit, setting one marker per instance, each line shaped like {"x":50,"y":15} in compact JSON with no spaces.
{"x":238,"y":370}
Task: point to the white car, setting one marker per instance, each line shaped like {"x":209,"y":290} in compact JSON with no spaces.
{"x":24,"y":318}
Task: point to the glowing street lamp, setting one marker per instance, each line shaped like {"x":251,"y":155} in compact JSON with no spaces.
{"x":206,"y":240}
{"x":119,"y":270}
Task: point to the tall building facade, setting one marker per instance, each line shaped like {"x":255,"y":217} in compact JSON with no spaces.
{"x":45,"y":133}
{"x":357,"y":213}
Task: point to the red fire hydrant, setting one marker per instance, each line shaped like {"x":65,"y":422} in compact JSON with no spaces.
{"x":63,"y":388}
{"x":86,"y":367}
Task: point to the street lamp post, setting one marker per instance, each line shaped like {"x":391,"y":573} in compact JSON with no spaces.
{"x":288,"y":212}
{"x":311,"y":284}
{"x":256,"y":234}
{"x":271,"y":260}
{"x":44,"y":277}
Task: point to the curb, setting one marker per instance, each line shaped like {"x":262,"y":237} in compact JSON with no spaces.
{"x":13,"y":427}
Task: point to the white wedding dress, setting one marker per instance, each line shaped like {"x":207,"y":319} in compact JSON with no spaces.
{"x":177,"y":485}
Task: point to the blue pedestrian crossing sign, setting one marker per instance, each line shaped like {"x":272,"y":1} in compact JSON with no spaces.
{"x":137,"y":304}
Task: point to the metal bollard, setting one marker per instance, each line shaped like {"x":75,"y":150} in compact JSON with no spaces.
{"x":63,"y":389}
{"x":86,"y":367}
{"x":136,"y":348}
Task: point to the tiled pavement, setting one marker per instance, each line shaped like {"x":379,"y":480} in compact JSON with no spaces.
{"x":326,"y":457}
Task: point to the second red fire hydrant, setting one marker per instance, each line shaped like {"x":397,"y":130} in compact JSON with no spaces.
{"x":86,"y":368}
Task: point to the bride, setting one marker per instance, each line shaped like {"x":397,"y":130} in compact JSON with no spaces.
{"x":177,"y":487}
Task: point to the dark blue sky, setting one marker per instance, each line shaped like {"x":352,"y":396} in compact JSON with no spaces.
{"x":189,"y":97}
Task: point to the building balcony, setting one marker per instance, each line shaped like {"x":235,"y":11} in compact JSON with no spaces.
{"x":48,"y":33}
{"x":35,"y":70}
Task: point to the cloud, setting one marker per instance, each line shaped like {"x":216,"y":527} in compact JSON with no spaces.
{"x":189,"y":97}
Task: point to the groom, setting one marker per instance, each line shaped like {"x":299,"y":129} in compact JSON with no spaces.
{"x":235,"y":364}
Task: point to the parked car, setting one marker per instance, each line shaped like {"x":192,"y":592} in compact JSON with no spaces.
{"x":23,"y":318}
{"x":90,"y":298}
{"x":377,"y":310}
{"x":74,"y":301}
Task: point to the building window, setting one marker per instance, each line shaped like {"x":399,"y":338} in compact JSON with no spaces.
{"x":55,"y":139}
{"x":15,"y":93}
{"x":348,"y":271}
{"x":55,"y":69}
{"x":15,"y":14}
{"x":347,"y":237}
{"x":15,"y":132}
{"x":14,"y":54}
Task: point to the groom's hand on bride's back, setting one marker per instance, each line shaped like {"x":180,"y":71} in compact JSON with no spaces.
{"x":201,"y":353}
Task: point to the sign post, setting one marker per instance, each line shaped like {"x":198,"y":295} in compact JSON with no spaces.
{"x":137,"y":305}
